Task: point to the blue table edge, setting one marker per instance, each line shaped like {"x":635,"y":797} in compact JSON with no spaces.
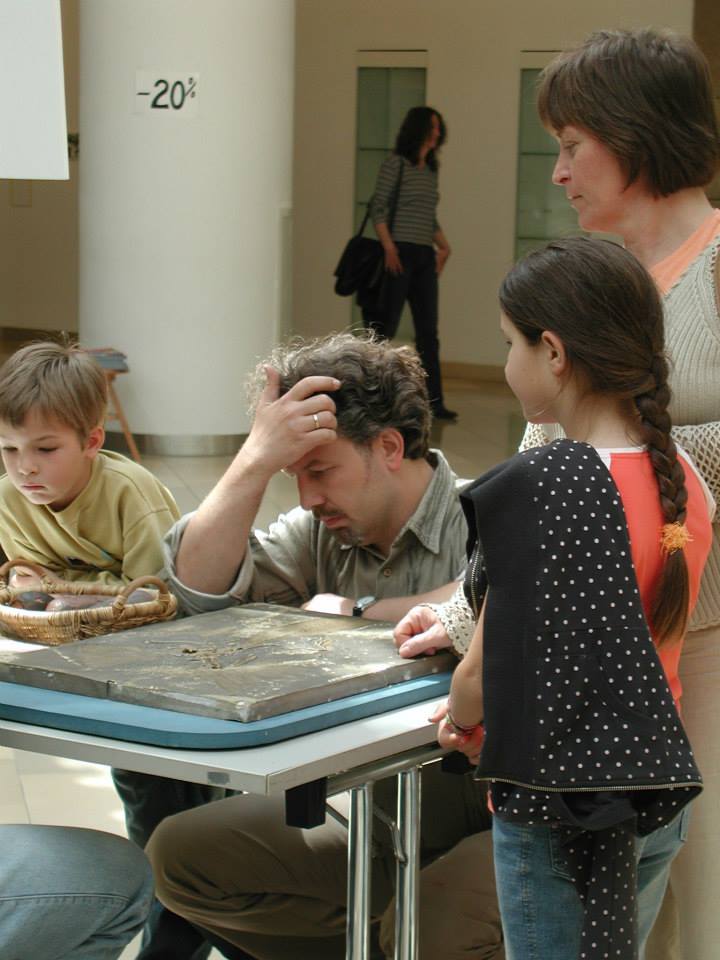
{"x":166,"y":728}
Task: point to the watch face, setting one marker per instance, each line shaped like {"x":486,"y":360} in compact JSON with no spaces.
{"x":361,"y":605}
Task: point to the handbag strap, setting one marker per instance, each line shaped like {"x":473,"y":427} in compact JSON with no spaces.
{"x":361,"y":228}
{"x":393,"y":205}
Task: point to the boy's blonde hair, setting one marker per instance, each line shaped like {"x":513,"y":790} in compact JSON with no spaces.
{"x":59,"y":381}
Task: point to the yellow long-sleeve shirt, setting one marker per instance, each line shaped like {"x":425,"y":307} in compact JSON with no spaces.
{"x":111,"y":532}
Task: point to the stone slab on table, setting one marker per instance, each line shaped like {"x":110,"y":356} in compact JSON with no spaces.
{"x":243,"y":663}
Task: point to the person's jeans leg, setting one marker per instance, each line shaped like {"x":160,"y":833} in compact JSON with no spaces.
{"x":383,"y":315}
{"x":663,"y":943}
{"x":69,"y":894}
{"x":423,"y":299}
{"x":147,"y":800}
{"x":541,"y":911}
{"x":542,"y":914}
{"x":655,"y":855}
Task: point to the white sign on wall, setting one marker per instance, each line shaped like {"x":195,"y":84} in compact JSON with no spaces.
{"x":167,"y":92}
{"x":33,"y":145}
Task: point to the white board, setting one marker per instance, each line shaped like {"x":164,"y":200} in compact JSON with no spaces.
{"x":33,"y":130}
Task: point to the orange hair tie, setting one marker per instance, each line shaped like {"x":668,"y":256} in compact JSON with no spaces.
{"x":674,"y":536}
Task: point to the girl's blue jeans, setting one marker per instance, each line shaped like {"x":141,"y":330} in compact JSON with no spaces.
{"x":542,"y":914}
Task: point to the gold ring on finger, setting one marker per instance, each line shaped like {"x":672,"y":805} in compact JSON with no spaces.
{"x":317,"y":421}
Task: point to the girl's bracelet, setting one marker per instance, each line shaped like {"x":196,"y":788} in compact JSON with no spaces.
{"x":458,"y":727}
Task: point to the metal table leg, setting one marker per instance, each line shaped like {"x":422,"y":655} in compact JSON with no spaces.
{"x":406,"y":841}
{"x":358,"y":889}
{"x":406,"y":897}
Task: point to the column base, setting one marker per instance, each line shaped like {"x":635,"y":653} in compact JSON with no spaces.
{"x":179,"y":445}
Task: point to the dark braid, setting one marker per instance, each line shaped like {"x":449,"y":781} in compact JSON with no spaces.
{"x":669,"y":613}
{"x":607,"y":311}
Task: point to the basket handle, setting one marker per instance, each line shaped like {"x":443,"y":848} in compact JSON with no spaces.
{"x":121,"y":599}
{"x":45,"y":579}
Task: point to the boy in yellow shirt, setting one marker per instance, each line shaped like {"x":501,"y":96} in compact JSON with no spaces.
{"x":84,"y":513}
{"x":79,"y":511}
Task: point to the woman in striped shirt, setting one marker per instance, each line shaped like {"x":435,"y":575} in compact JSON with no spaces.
{"x":404,"y":215}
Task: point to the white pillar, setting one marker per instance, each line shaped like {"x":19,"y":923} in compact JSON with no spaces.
{"x":184,"y":210}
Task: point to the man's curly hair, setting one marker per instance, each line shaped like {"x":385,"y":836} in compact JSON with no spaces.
{"x":382,"y":385}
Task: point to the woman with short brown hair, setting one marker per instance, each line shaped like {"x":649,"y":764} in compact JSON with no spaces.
{"x":633,"y":113}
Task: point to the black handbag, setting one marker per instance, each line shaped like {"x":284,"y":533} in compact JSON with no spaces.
{"x":362,"y":263}
{"x":361,"y":260}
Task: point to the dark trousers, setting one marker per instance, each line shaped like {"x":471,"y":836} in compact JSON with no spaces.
{"x":147,"y":800}
{"x":418,"y":285}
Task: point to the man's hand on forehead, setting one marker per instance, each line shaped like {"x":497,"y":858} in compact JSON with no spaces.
{"x":289,"y":426}
{"x":304,"y":389}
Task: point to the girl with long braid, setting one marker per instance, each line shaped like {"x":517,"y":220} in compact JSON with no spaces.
{"x":587,"y":559}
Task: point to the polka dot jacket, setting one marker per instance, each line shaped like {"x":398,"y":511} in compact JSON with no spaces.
{"x":582,"y":733}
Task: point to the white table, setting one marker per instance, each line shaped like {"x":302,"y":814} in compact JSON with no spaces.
{"x":351,"y":756}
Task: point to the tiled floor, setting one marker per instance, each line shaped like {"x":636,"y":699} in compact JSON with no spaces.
{"x":38,"y":789}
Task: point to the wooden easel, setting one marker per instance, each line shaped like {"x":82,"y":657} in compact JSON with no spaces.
{"x":115,"y":412}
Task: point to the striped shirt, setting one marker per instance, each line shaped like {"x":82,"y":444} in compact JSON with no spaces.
{"x":416,"y":204}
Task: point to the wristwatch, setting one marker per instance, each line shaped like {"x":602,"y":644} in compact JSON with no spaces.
{"x":361,"y":605}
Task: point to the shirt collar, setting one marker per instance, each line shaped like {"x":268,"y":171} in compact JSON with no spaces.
{"x":428,"y":520}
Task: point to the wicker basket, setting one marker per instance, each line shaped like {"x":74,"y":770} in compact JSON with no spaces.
{"x":62,"y":626}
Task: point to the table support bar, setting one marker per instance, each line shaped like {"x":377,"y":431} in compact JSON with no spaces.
{"x":407,"y":870}
{"x":380,"y":769}
{"x":359,"y":861}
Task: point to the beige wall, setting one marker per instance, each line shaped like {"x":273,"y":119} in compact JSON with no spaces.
{"x":38,"y":229}
{"x":706,"y":30}
{"x":474,"y":49}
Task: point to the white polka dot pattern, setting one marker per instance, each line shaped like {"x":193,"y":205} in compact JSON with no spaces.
{"x":604,"y":705}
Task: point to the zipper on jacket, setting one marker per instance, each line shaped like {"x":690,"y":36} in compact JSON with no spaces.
{"x":541,"y":788}
{"x":472,"y":581}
